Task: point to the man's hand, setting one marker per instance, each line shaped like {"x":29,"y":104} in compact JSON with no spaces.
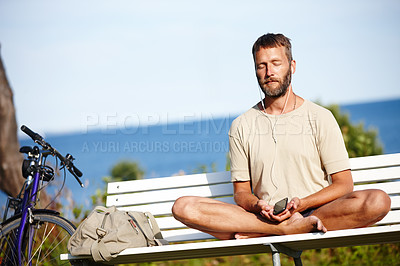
{"x":245,"y":199}
{"x":267,"y":211}
{"x":294,"y":205}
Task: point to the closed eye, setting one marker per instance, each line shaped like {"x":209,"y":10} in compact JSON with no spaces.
{"x":277,"y":62}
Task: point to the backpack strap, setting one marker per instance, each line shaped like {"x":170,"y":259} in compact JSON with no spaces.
{"x":136,"y":217}
{"x":100,"y":252}
{"x":156,"y":230}
{"x":102,"y":209}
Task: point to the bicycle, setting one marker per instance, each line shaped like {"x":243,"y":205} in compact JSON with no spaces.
{"x":36,"y":236}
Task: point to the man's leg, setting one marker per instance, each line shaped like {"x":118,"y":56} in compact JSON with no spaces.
{"x":354,"y":210}
{"x":223,"y":220}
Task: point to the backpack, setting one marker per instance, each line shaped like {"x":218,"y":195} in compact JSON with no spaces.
{"x":108,"y":231}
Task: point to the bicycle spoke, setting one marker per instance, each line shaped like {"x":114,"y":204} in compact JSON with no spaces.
{"x":35,"y":237}
{"x":8,"y":243}
{"x":43,"y":240}
{"x":49,"y":252}
{"x":49,"y":235}
{"x":49,"y":244}
{"x":39,"y":249}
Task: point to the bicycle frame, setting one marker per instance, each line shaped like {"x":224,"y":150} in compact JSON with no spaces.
{"x":28,"y":204}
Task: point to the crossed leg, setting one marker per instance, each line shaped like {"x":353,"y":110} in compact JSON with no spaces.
{"x":354,"y":210}
{"x":227,"y":221}
{"x":224,"y":220}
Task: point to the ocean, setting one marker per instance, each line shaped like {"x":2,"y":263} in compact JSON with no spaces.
{"x":168,"y":149}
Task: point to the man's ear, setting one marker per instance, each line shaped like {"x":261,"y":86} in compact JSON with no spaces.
{"x":293,"y":66}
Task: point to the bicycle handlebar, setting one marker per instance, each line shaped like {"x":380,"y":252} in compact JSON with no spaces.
{"x":67,"y":161}
{"x":30,"y":133}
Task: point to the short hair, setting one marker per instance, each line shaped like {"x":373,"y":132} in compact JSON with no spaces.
{"x":272,"y":40}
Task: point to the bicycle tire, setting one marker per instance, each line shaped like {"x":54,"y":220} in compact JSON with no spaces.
{"x":50,"y":238}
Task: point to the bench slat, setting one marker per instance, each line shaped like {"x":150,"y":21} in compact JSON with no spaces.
{"x":170,"y":194}
{"x":395,"y":202}
{"x":357,"y":164}
{"x":389,"y":187}
{"x":349,"y":237}
{"x":184,"y":235}
{"x":377,"y":161}
{"x":374,"y":175}
{"x":158,"y":209}
{"x":166,"y":223}
{"x":393,"y":217}
{"x":168,"y":182}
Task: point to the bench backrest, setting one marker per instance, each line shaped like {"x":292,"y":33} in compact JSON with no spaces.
{"x":157,"y":195}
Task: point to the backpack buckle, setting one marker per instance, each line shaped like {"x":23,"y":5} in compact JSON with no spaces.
{"x":101,"y":232}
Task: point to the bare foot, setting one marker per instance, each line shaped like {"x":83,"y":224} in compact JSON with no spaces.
{"x":249,"y":235}
{"x":297,"y":224}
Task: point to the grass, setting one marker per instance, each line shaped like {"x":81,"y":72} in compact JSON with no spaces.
{"x":384,"y":254}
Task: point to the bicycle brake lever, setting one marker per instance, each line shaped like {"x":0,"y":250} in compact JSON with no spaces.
{"x":70,"y":159}
{"x":77,"y":178}
{"x":70,"y":169}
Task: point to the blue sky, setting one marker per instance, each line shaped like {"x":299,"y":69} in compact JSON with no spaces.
{"x":81,"y":65}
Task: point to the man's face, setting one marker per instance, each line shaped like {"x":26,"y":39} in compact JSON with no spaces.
{"x":274,"y":73}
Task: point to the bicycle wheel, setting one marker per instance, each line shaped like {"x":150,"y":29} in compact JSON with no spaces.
{"x":50,"y":234}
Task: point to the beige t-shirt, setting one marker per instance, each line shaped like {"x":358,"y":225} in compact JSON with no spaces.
{"x":309,"y":146}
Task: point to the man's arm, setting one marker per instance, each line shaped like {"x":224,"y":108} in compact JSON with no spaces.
{"x":342,"y":184}
{"x":245,"y":198}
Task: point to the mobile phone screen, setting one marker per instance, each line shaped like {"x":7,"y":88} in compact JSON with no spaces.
{"x":280,"y":206}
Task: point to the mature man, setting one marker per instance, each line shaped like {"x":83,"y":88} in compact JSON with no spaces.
{"x":284,"y":146}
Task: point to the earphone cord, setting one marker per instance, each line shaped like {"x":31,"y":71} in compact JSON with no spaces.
{"x":273,"y":134}
{"x":277,"y":118}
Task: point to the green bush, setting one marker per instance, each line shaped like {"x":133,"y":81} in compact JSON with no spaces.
{"x":359,"y":141}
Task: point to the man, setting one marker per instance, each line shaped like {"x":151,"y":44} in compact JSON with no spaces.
{"x":284,"y":146}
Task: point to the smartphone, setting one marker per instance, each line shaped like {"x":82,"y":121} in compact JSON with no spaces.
{"x":280,"y":206}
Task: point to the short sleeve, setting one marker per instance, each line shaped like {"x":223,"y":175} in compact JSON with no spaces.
{"x":333,"y":151}
{"x":238,"y":155}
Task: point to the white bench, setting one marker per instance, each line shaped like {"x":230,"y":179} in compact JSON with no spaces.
{"x":158,"y":195}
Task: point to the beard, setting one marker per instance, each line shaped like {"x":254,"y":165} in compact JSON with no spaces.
{"x":282,"y":86}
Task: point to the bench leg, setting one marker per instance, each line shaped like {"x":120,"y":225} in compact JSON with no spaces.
{"x":297,"y":261}
{"x":277,"y":249}
{"x":276,"y":259}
